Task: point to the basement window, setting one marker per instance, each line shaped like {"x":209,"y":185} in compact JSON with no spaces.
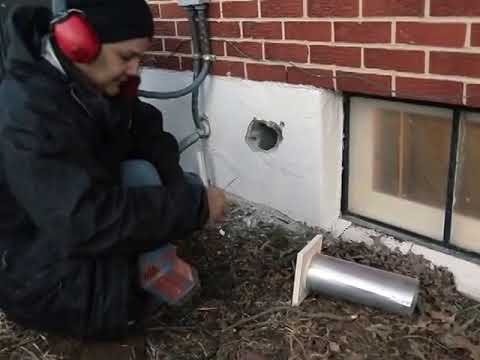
{"x":466,"y":208}
{"x":414,"y":168}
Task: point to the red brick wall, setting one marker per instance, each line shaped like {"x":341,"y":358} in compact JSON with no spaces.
{"x":413,"y":49}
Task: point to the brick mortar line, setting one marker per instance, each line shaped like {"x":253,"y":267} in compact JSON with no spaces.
{"x":398,"y":74}
{"x":366,"y":71}
{"x":468,"y":36}
{"x":309,"y":55}
{"x":425,"y":20}
{"x":383,"y":46}
{"x":362,"y":58}
{"x":394,"y":32}
{"x":159,"y":11}
{"x":427,"y":62}
{"x":335,"y":85}
{"x":393,"y":93}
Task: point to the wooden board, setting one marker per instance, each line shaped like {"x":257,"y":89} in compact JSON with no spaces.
{"x":304,"y":258}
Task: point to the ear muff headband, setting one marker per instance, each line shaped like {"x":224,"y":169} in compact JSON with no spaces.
{"x":74,"y":34}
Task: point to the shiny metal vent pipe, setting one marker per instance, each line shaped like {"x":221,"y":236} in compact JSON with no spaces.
{"x":362,"y":284}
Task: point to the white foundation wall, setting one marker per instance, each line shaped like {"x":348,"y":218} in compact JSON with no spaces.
{"x":302,"y":177}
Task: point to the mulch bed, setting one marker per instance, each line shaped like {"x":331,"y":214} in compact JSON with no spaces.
{"x":242,"y":311}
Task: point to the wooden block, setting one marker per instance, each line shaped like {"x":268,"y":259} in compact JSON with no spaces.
{"x":304,"y":258}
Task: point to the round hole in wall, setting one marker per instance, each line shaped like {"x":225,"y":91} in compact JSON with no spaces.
{"x":263,"y":135}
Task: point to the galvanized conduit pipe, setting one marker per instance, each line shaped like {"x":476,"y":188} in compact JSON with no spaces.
{"x":202,"y":60}
{"x":178,"y":93}
{"x":201,"y":54}
{"x":201,"y":45}
{"x":363,"y":284}
{"x":206,"y":57}
{"x":196,"y":65}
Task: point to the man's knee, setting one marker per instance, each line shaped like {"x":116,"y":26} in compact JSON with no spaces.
{"x":193,"y":179}
{"x":141,"y":172}
{"x":136,"y":173}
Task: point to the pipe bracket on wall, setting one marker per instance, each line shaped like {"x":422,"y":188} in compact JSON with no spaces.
{"x":202,"y":133}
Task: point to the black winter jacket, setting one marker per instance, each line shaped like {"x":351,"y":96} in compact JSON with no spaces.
{"x":70,"y":233}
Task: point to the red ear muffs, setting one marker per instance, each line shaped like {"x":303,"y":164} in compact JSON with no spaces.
{"x":76,"y":37}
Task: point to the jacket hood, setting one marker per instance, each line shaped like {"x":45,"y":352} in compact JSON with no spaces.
{"x":25,"y":28}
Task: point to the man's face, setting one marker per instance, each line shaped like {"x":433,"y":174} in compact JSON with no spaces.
{"x":116,"y":62}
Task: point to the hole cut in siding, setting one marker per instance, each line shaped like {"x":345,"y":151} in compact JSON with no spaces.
{"x":264,"y":136}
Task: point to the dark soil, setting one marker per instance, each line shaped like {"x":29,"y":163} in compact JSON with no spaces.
{"x":247,"y":269}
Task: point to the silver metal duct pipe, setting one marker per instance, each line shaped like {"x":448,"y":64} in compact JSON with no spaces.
{"x":362,"y":284}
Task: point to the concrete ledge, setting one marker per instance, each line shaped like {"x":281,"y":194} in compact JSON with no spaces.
{"x":465,"y":272}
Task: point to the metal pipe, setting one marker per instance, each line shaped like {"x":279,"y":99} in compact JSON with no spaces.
{"x":203,"y":126}
{"x":206,"y":56}
{"x":203,"y":165}
{"x":188,"y":141}
{"x":202,"y":60}
{"x":203,"y":28}
{"x":363,"y":284}
{"x":178,"y":93}
{"x":196,"y":64}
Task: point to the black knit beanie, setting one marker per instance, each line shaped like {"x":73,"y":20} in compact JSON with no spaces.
{"x":117,"y":20}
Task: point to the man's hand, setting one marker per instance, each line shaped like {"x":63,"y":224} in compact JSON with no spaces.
{"x":216,"y":204}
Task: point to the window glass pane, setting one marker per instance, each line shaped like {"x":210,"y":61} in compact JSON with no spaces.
{"x":466,"y":218}
{"x":398,"y":170}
